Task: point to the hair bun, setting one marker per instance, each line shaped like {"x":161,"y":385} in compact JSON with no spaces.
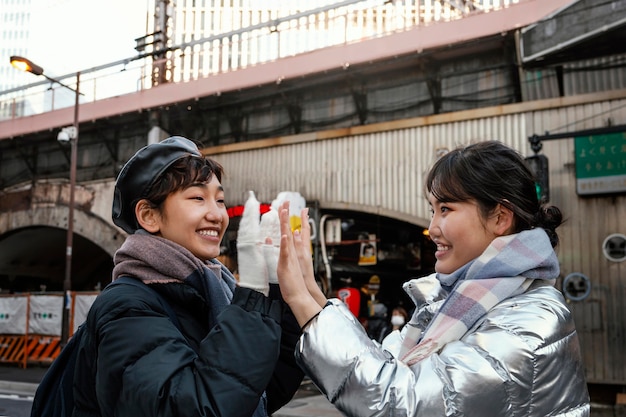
{"x":549,"y":218}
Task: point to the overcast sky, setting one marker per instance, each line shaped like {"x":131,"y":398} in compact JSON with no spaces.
{"x":74,"y":35}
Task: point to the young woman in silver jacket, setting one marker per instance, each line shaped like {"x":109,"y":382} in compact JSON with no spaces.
{"x":490,"y":336}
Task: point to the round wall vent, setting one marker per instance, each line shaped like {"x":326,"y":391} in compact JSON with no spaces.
{"x":576,"y":286}
{"x":614,"y":247}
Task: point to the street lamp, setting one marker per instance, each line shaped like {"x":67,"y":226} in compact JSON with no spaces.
{"x":67,"y":134}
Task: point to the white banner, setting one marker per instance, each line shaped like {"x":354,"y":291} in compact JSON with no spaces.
{"x":13,"y":315}
{"x":82,"y":304}
{"x":46,"y":314}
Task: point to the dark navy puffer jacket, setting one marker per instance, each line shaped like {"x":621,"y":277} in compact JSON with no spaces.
{"x":135,"y":362}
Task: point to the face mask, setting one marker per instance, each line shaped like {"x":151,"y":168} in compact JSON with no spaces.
{"x":397,"y":320}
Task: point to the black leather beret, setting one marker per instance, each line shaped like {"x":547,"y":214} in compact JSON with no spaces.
{"x":141,"y":171}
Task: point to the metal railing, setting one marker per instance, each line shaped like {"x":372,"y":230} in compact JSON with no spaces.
{"x":273,"y":38}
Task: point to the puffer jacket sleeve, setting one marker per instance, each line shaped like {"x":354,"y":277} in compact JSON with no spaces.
{"x":145,"y":366}
{"x":491,"y":373}
{"x":353,"y":371}
{"x":287,"y":375}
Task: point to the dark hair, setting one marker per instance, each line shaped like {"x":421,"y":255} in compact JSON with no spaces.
{"x":492,"y":173}
{"x":182,"y":174}
{"x":402,"y":311}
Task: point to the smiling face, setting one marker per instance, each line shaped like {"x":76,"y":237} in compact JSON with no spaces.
{"x":194,"y":217}
{"x":460,"y":232}
{"x":477,"y":193}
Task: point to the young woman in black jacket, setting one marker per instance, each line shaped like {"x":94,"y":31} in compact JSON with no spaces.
{"x":231,"y":352}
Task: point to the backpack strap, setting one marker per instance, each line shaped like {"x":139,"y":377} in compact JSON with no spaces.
{"x":137,"y":283}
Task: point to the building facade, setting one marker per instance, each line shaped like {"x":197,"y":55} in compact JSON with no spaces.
{"x":353,"y":128}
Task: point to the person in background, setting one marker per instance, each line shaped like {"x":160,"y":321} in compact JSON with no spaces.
{"x":491,"y":336}
{"x":232,"y":351}
{"x":398,"y":319}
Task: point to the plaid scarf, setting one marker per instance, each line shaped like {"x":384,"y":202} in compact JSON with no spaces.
{"x":506,"y":268}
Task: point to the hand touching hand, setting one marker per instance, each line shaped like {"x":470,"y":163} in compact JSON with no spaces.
{"x":306,"y":261}
{"x":295,"y":270}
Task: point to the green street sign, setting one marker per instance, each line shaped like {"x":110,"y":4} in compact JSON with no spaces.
{"x":600,"y":163}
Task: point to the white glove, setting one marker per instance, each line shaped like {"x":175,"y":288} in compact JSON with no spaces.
{"x":252,"y":270}
{"x":270,"y":227}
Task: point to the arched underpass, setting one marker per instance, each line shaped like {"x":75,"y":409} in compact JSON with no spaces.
{"x":403,"y":251}
{"x":33,"y":259}
{"x":33,"y":238}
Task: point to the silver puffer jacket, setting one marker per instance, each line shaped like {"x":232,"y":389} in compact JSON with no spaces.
{"x":521,"y":359}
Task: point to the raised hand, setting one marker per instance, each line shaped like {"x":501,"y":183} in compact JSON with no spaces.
{"x":306,"y":261}
{"x":294,"y":252}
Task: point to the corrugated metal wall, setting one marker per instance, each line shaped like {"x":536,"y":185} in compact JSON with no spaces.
{"x":382,"y":172}
{"x":378,"y":173}
{"x":580,"y":77}
{"x":600,"y":74}
{"x":601,"y":318}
